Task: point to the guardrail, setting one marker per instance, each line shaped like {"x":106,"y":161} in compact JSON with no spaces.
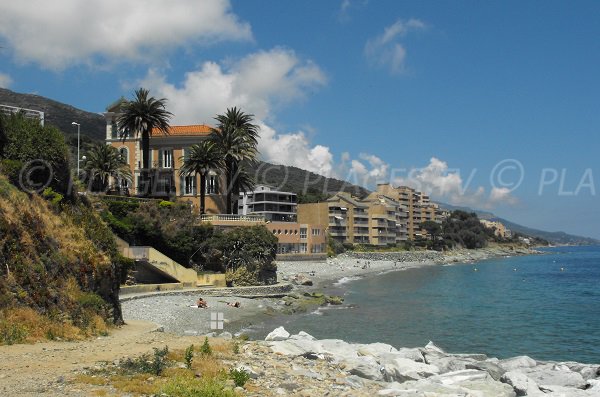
{"x":232,"y":218}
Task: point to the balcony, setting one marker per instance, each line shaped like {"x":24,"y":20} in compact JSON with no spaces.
{"x":231,"y":218}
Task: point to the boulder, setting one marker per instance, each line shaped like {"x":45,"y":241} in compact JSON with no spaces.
{"x":278,"y":334}
{"x":364,"y":367}
{"x":517,"y":363}
{"x":494,"y":370}
{"x":375,"y":349}
{"x":555,"y":375}
{"x":225,"y":335}
{"x":456,"y":377}
{"x":522,"y":385}
{"x":403,"y":369}
{"x":450,"y":363}
{"x":428,"y":388}
{"x":588,"y":371}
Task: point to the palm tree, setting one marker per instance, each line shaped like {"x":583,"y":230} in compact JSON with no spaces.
{"x":237,"y":138}
{"x":141,"y":116}
{"x":102,"y":162}
{"x":202,"y":157}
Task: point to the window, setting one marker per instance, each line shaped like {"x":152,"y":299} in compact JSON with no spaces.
{"x":303,"y":233}
{"x":124,"y":153}
{"x":166,"y":158}
{"x":186,"y":153}
{"x":303,"y":248}
{"x":189,"y":185}
{"x":211,"y":184}
{"x":316,"y":232}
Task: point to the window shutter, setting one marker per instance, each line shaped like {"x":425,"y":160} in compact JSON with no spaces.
{"x":194,"y":179}
{"x":161,"y":154}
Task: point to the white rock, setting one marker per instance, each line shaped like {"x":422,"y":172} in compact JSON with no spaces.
{"x":403,"y":369}
{"x":364,"y":367}
{"x":225,"y":335}
{"x":278,"y":334}
{"x":432,"y":346}
{"x":517,"y":363}
{"x":523,"y":385}
{"x":555,"y":375}
{"x":451,"y":378}
{"x":375,"y":349}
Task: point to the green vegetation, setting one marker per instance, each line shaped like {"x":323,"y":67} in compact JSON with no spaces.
{"x":205,"y":349}
{"x":140,"y":116}
{"x":189,"y":356}
{"x":104,"y":161}
{"x":239,"y":376}
{"x":246,"y":253}
{"x":237,"y":139}
{"x":464,"y":230}
{"x":202,"y":158}
{"x":61,"y":270}
{"x":38,"y":155}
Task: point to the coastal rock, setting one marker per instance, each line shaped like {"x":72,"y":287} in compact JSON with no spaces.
{"x":278,"y":334}
{"x":494,"y":370}
{"x":252,"y":373}
{"x":414,"y":354}
{"x":375,"y":349}
{"x":450,"y":364}
{"x":555,"y":375}
{"x":364,"y":367}
{"x":466,"y":375}
{"x":225,"y":335}
{"x":517,"y":363}
{"x":404,"y":369}
{"x":523,"y":385}
{"x":586,"y":370}
{"x":427,"y":388}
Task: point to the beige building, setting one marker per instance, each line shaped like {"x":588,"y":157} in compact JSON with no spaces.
{"x":499,"y":229}
{"x":166,"y":157}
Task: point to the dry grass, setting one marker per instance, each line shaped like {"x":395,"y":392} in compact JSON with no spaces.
{"x":34,"y":327}
{"x":206,"y":376}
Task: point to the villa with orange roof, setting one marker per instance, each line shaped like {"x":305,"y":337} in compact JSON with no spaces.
{"x":166,"y":154}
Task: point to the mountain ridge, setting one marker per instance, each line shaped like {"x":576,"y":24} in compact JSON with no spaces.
{"x":308,"y":185}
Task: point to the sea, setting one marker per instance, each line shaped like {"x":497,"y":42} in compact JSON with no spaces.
{"x":544,"y":306}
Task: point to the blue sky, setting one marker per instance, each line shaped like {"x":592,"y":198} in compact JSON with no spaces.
{"x":487,"y":104}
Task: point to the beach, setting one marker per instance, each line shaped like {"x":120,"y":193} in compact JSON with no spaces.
{"x":174,"y":311}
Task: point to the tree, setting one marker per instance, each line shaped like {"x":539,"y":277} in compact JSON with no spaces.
{"x":140,"y":116}
{"x":104,"y":161}
{"x":432,"y":228}
{"x":3,"y":138}
{"x":42,"y":153}
{"x":202,"y":158}
{"x":237,"y":138}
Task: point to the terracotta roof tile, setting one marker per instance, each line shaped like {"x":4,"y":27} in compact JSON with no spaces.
{"x":185,"y":130}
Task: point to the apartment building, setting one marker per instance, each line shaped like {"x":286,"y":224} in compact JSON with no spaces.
{"x":273,"y":205}
{"x":166,"y":157}
{"x":499,"y":229}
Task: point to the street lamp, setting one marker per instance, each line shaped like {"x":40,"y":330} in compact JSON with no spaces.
{"x":78,"y":131}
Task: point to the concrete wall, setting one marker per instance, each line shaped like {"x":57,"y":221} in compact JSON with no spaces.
{"x":162,"y":263}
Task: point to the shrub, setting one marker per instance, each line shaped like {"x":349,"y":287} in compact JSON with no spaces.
{"x":143,"y":363}
{"x":239,"y":376}
{"x":12,"y":169}
{"x":166,"y":204}
{"x":11,"y":333}
{"x":121,"y":208}
{"x":183,"y":386}
{"x":189,"y":356}
{"x":205,"y":349}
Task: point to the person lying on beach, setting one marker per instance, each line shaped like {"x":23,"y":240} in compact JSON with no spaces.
{"x":235,"y":304}
{"x":202,"y":304}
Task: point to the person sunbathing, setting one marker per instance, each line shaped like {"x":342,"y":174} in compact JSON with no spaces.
{"x":202,"y":304}
{"x":236,"y":304}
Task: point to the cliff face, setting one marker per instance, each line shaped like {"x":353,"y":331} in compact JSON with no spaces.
{"x":58,"y":262}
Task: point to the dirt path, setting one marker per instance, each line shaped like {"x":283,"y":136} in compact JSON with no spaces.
{"x":48,"y":368}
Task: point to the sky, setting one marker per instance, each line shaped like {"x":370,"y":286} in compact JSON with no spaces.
{"x":492,"y":105}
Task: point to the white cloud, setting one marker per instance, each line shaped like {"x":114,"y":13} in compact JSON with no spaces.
{"x":5,"y":80}
{"x":385,"y":50}
{"x":57,"y":34}
{"x":448,"y":185}
{"x":256,"y":83}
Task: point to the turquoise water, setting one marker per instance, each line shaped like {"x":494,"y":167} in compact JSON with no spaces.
{"x":537,"y":309}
